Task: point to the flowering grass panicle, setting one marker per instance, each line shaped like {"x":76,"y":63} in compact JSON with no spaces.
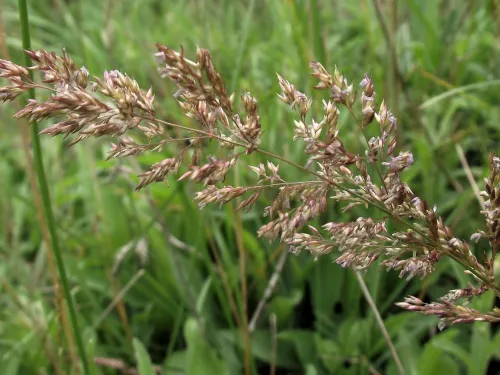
{"x":114,"y":105}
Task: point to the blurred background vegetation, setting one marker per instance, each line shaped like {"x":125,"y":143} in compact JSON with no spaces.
{"x":436,"y":62}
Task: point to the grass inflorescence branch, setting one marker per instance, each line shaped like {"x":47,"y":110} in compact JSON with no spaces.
{"x":114,"y":105}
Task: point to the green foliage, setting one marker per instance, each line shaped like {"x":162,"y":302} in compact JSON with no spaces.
{"x":144,"y":364}
{"x":183,"y":313}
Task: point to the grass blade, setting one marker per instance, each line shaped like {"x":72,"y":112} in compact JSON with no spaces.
{"x":44,"y":190}
{"x":457,"y":91}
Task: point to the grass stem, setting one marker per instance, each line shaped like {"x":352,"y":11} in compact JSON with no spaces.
{"x":47,"y":207}
{"x":380,"y":323}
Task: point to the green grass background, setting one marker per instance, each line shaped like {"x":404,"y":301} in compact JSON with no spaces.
{"x":182,"y":311}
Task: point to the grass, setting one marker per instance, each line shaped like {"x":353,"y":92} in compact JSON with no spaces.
{"x":60,"y":281}
{"x":185,"y":312}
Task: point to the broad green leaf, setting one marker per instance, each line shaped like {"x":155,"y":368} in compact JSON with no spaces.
{"x":261,"y":346}
{"x":304,"y":342}
{"x":434,"y":361}
{"x":201,"y":357}
{"x":144,"y":364}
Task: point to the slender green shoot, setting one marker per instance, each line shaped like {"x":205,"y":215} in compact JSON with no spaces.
{"x":44,"y":190}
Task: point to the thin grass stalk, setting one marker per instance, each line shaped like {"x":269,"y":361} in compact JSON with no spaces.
{"x":315,"y":17}
{"x":37,"y":200}
{"x":469,"y":175}
{"x":120,"y":308}
{"x":393,"y":6}
{"x":47,"y":207}
{"x":119,"y":297}
{"x":380,"y":323}
{"x":93,"y":369}
{"x":244,"y":292}
{"x":274,"y":343}
{"x":242,"y":46}
{"x":301,"y":42}
{"x":271,"y":285}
